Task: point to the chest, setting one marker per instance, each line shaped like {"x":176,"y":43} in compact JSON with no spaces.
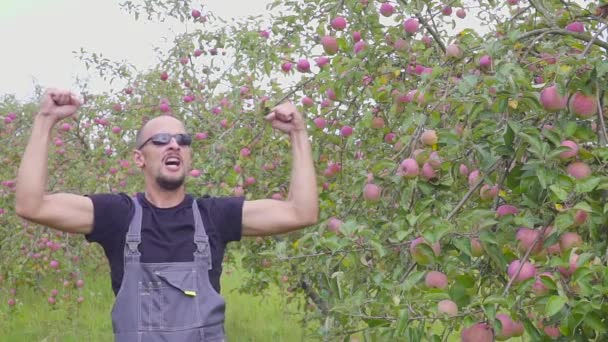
{"x":169,"y":237}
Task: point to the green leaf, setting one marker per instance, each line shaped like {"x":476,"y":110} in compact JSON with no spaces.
{"x":560,"y":193}
{"x":465,"y":280}
{"x":594,"y":322}
{"x":555,"y":304}
{"x":541,"y":173}
{"x":376,"y":322}
{"x":496,"y":299}
{"x":587,"y":185}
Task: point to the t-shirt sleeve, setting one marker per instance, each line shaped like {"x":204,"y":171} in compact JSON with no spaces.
{"x":111,"y":212}
{"x":228,"y":217}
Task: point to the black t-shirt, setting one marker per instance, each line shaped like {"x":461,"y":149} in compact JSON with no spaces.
{"x":167,"y":234}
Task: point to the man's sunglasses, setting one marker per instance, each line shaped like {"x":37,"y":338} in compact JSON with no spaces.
{"x":162,"y":139}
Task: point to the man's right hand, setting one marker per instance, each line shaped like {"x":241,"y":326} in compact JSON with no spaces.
{"x":57,"y":104}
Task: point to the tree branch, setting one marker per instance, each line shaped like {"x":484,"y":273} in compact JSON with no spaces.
{"x":602,"y":129}
{"x":526,"y":256}
{"x":314,"y":296}
{"x":466,"y":197}
{"x":563,"y":32}
{"x":428,"y":28}
{"x":597,"y":34}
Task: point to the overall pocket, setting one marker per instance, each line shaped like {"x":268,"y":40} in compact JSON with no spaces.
{"x":150,"y":305}
{"x":180,"y":298}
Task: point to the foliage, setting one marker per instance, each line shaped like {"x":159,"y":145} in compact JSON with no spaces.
{"x":390,"y":87}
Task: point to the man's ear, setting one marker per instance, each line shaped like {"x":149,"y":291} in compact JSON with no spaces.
{"x":139,"y":159}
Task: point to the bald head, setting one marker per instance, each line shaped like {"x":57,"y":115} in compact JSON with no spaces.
{"x":159,"y":124}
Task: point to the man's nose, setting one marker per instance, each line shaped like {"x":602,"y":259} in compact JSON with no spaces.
{"x":173,"y":143}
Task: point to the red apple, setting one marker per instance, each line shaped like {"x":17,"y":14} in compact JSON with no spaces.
{"x":346,"y":131}
{"x":453,"y":51}
{"x":461,"y":13}
{"x":303,"y":65}
{"x":579,"y":170}
{"x":307,"y":101}
{"x":416,"y":253}
{"x":411,"y":25}
{"x":377,"y":122}
{"x":487,"y":192}
{"x":330,"y":45}
{"x":576,"y":26}
{"x":527,"y":271}
{"x":572,"y":266}
{"x":320,"y":122}
{"x":435,"y":279}
{"x":386,"y":9}
{"x":429,"y":137}
{"x":509,"y":327}
{"x":526,"y":238}
{"x":570,"y":153}
{"x":538,"y":287}
{"x":476,"y":248}
{"x":570,"y":240}
{"x":551,"y":99}
{"x":582,"y":105}
{"x":371,"y":192}
{"x":410,"y":168}
{"x":474,"y":177}
{"x":338,"y":23}
{"x":485,"y":61}
{"x":334,"y":224}
{"x":580,"y":217}
{"x":447,"y":307}
{"x":506,"y":209}
{"x":286,"y":66}
{"x":478,"y":332}
{"x":360,"y":46}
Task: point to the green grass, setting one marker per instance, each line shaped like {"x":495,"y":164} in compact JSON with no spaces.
{"x":267,"y":317}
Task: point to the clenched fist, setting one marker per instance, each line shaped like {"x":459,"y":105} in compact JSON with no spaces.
{"x":286,"y":118}
{"x":58,"y":104}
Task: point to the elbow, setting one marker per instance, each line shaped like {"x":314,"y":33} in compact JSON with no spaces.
{"x":311,"y":218}
{"x":22,"y":210}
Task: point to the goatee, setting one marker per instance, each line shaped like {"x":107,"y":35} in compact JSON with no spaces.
{"x":169,"y":184}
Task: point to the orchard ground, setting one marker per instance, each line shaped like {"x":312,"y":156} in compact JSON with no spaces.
{"x":267,"y":317}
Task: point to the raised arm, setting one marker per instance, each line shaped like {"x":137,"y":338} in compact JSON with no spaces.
{"x":301,"y":209}
{"x":62,"y":211}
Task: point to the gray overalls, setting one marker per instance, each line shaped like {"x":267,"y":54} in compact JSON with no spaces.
{"x":169,"y":302}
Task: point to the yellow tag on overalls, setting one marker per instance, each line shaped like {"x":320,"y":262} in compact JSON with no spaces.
{"x":190,"y":293}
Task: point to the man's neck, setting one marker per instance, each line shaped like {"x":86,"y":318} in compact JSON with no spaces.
{"x":164,"y":198}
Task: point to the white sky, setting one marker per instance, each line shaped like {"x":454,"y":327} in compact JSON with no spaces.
{"x":38,"y":37}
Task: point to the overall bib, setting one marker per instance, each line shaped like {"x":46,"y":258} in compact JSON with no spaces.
{"x":169,"y":302}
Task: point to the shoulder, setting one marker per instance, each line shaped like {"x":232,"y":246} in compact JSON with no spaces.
{"x":111,"y":198}
{"x":225,"y":213}
{"x":119,"y":205}
{"x":220,"y":203}
{"x":111,"y":212}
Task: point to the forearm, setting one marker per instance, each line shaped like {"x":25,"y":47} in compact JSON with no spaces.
{"x":303,"y":185}
{"x":33,"y":172}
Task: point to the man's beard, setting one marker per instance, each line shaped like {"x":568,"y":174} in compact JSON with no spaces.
{"x":169,"y":184}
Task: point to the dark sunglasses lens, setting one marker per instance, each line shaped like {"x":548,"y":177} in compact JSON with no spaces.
{"x":183,"y":139}
{"x":164,"y":139}
{"x":161,"y":139}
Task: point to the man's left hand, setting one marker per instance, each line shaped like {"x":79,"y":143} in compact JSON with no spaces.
{"x":286,"y":118}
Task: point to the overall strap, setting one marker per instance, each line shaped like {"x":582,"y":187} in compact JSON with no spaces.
{"x":203,"y":251}
{"x":133,"y":239}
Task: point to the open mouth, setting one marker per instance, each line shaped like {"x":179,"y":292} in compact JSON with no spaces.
{"x":173,"y":163}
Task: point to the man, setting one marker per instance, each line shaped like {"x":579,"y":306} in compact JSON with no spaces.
{"x":165,"y":248}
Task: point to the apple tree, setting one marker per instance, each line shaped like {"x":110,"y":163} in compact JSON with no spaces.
{"x":460,"y":148}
